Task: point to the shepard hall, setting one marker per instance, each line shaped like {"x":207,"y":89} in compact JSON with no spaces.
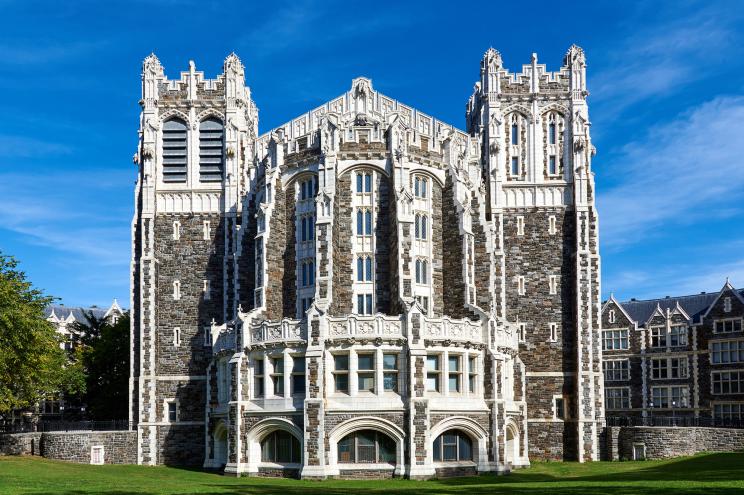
{"x":366,"y":291}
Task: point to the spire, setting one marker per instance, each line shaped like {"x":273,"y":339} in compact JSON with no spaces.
{"x":151,"y":66}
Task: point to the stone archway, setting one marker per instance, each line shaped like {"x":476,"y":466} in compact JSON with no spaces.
{"x":511,"y":446}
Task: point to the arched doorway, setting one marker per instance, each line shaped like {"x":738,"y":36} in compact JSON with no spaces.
{"x":511,"y":449}
{"x":220,"y":445}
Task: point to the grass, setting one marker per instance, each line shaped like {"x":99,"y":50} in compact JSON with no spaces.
{"x":710,"y":474}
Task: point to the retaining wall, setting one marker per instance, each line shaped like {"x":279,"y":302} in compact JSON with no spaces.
{"x":665,"y":442}
{"x":119,"y":447}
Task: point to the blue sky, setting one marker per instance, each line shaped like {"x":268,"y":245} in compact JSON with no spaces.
{"x":667,"y":108}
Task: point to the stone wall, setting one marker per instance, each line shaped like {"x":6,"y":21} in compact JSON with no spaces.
{"x":662,"y":443}
{"x":119,"y":447}
{"x":20,"y":444}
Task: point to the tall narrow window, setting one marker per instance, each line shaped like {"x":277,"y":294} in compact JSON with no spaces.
{"x":551,"y":133}
{"x":363,"y":182}
{"x":366,"y":372}
{"x":176,"y":337}
{"x":364,"y":304}
{"x":514,"y":134}
{"x":454,"y":374}
{"x":520,"y":225}
{"x":551,"y":225}
{"x":207,"y":290}
{"x":421,"y":227}
{"x":553,"y":284}
{"x":522,"y":332}
{"x":210,"y":150}
{"x":277,"y":375}
{"x":515,"y":165}
{"x":258,"y":377}
{"x":520,"y":286}
{"x":176,"y":290}
{"x":367,"y":222}
{"x":175,"y":155}
{"x":552,"y":165}
{"x":298,"y":375}
{"x":176,"y":230}
{"x":341,"y":373}
{"x":172,"y":411}
{"x":553,"y":332}
{"x":207,"y":230}
{"x":472,"y":373}
{"x":390,"y":372}
{"x":420,"y":186}
{"x":432,"y":373}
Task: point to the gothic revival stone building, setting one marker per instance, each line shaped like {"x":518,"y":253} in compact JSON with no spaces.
{"x":678,"y":357}
{"x":366,"y":291}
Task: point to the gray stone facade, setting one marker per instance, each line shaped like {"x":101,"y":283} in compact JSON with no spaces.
{"x":367,"y":273}
{"x":673,"y":349}
{"x":118,"y":447}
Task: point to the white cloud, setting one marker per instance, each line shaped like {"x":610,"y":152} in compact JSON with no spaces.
{"x":690,"y":166}
{"x":664,"y":58}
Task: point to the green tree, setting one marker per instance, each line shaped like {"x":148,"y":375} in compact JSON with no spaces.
{"x":32,"y":363}
{"x":103,"y":350}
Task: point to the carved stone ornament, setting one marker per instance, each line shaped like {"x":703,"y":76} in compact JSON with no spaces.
{"x":579,"y":144}
{"x":230,"y":152}
{"x":148,"y":152}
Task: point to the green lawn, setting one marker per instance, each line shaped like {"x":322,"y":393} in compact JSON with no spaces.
{"x":711,"y":474}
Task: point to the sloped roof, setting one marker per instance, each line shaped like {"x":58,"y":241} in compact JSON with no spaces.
{"x":694,"y":305}
{"x":63,"y":312}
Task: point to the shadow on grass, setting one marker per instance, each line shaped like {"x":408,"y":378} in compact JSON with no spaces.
{"x":680,"y":477}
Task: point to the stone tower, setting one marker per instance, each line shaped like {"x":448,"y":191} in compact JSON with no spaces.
{"x":536,"y":151}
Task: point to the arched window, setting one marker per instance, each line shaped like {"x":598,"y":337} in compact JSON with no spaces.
{"x":175,"y":155}
{"x":210,"y":150}
{"x":308,"y":189}
{"x":422,"y":267}
{"x":453,"y":445}
{"x":366,"y":447}
{"x":420,"y":187}
{"x":363,"y":182}
{"x":281,"y":446}
{"x":420,"y":227}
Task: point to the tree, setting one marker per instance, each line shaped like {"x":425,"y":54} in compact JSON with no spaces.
{"x":32,"y":363}
{"x":103,"y":350}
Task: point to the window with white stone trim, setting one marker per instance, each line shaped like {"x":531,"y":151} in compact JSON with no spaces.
{"x":207,"y":230}
{"x":298,"y":375}
{"x":553,"y":284}
{"x":207,"y":331}
{"x":176,"y":290}
{"x":658,"y":336}
{"x":421,"y":226}
{"x":176,"y":336}
{"x":727,"y":382}
{"x":617,"y":398}
{"x":553,"y":332}
{"x":390,"y":371}
{"x":559,"y":407}
{"x":724,"y":412}
{"x":207,"y":290}
{"x":615,"y":340}
{"x":422,"y":271}
{"x":520,"y":285}
{"x":176,"y":230}
{"x":520,"y":225}
{"x":522,"y":331}
{"x":616,"y":369}
{"x":277,"y":375}
{"x":611,"y":316}
{"x":669,"y":397}
{"x":341,"y":373}
{"x":454,"y":373}
{"x":223,"y":381}
{"x":258,"y":377}
{"x":170,"y":411}
{"x":727,"y":304}
{"x":728,"y":325}
{"x":420,"y":186}
{"x":727,"y":351}
{"x":433,"y":372}
{"x":551,"y":225}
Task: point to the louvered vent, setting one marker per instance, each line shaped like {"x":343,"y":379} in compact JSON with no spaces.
{"x":210,"y":150}
{"x":174,"y":151}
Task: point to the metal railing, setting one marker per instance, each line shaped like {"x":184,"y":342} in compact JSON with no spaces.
{"x":42,"y":426}
{"x":674,"y":421}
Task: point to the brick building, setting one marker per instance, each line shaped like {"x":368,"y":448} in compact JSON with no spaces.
{"x":676,"y":357}
{"x":366,"y":291}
